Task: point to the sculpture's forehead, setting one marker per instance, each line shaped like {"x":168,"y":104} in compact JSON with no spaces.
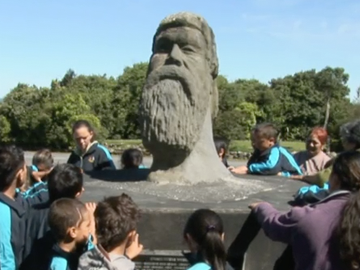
{"x":183,"y":35}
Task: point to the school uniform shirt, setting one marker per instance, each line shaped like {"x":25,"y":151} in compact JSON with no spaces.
{"x":13,"y":223}
{"x":46,"y":254}
{"x":309,"y":230}
{"x":96,"y":158}
{"x":197,"y":263}
{"x":273,"y":161}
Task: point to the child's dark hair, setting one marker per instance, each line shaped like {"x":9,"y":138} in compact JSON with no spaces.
{"x":267,"y":131}
{"x":83,"y":123}
{"x":64,"y":181}
{"x":64,"y":214}
{"x":131,"y":158}
{"x":43,"y":156}
{"x":347,"y":169}
{"x":221,"y":143}
{"x":115,"y":218}
{"x":11,"y":161}
{"x":206,"y":228}
{"x":351,"y":133}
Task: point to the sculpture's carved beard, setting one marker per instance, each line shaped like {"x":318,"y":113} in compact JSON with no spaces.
{"x":172,"y":115}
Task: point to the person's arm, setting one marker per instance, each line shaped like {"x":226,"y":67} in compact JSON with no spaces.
{"x":104,"y":160}
{"x":271,"y":166}
{"x":276,"y":225}
{"x":36,"y":194}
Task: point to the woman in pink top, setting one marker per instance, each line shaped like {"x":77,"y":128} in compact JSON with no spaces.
{"x":313,"y":159}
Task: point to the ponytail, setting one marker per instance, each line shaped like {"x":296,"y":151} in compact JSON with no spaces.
{"x":349,"y":232}
{"x":205,"y":227}
{"x":213,"y":250}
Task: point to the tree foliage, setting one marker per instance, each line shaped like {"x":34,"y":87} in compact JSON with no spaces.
{"x":33,"y":116}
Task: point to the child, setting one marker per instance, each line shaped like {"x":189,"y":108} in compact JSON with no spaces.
{"x":71,"y":225}
{"x":221,"y":149}
{"x":118,"y":243}
{"x":42,"y":163}
{"x":204,"y":235}
{"x":268,"y":158}
{"x":65,"y":181}
{"x":14,"y":205}
{"x":132,"y":159}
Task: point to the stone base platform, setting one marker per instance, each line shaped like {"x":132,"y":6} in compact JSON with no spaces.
{"x":165,"y":209}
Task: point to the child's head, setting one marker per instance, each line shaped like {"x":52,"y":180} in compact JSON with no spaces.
{"x":345,"y":173}
{"x":346,"y":176}
{"x":12,"y":167}
{"x":83,"y":133}
{"x":350,"y":135}
{"x":116,"y":220}
{"x":221,"y":146}
{"x":43,"y":160}
{"x":70,"y":221}
{"x":204,"y":233}
{"x":65,"y":181}
{"x":264,"y":136}
{"x":131,"y":158}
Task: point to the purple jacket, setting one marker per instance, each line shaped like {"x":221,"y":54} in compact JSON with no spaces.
{"x":309,"y":230}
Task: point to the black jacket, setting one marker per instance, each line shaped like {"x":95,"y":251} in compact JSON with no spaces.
{"x":14,"y":216}
{"x":96,"y":158}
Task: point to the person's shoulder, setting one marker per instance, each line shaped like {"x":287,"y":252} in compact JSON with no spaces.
{"x":200,"y":266}
{"x":102,"y":149}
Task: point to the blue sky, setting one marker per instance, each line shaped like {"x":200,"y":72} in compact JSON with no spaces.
{"x":263,"y":39}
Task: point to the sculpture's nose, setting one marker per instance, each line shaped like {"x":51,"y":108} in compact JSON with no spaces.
{"x":175,"y":56}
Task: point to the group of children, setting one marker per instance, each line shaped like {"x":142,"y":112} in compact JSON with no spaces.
{"x":44,"y":224}
{"x":48,"y":227}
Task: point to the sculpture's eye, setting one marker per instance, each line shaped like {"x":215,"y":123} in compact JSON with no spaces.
{"x":187,"y":48}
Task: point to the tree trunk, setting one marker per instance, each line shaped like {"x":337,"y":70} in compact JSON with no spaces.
{"x":327,"y":114}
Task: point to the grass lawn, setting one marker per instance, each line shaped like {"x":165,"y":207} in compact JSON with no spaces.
{"x":243,"y":146}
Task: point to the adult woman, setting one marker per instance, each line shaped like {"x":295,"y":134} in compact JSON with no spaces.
{"x":313,"y":159}
{"x":89,"y":155}
{"x":325,"y":235}
{"x":350,"y":138}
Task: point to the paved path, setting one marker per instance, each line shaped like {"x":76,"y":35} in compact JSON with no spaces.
{"x":63,"y":157}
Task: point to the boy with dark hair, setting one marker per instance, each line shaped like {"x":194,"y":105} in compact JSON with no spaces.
{"x":116,"y":219}
{"x":65,"y":181}
{"x":71,"y":225}
{"x":14,"y":206}
{"x":42,"y":163}
{"x":268,"y":157}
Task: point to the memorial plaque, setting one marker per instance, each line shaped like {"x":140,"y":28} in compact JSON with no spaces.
{"x":161,"y":260}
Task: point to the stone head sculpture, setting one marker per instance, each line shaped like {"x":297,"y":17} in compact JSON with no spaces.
{"x":180,"y":99}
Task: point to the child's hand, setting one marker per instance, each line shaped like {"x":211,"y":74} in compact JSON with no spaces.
{"x":91,"y":207}
{"x":254,"y":205}
{"x":297,"y":177}
{"x":240,"y":170}
{"x":135,"y":248}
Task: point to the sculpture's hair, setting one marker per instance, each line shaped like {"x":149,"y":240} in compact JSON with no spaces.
{"x":197,"y":22}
